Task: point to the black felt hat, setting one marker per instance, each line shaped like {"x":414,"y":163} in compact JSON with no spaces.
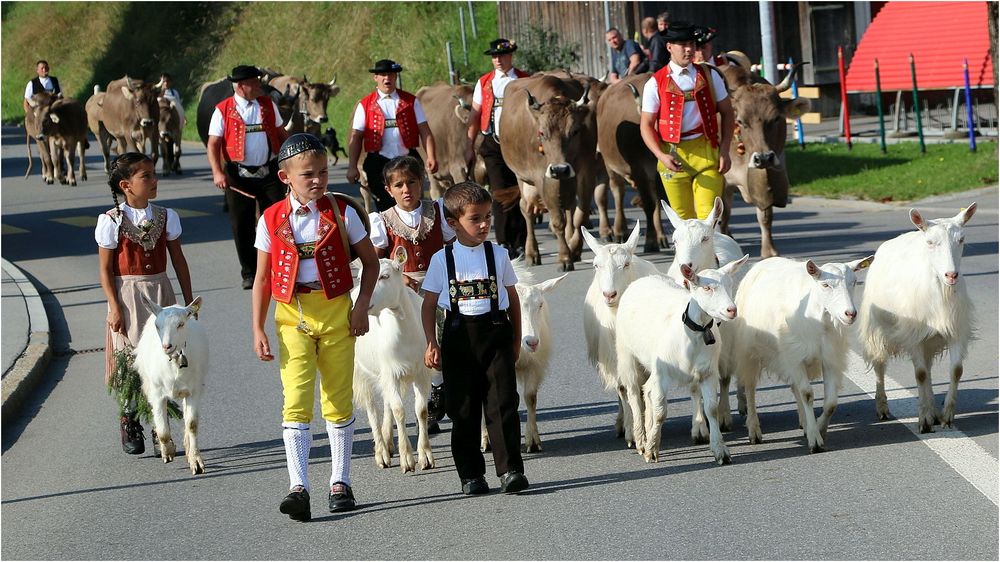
{"x":500,"y":47}
{"x":679,"y":32}
{"x":244,"y":72}
{"x":704,"y":34}
{"x":299,"y":143}
{"x":386,"y":66}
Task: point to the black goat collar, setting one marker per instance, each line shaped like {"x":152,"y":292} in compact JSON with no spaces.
{"x":706,"y":330}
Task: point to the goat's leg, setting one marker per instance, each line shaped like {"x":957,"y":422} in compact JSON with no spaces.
{"x":748,"y":373}
{"x":388,"y":425}
{"x":881,"y":400}
{"x":725,"y":413}
{"x":656,"y":413}
{"x":804,"y":396}
{"x":532,"y":440}
{"x":393,"y":394}
{"x":624,"y":418}
{"x":831,"y":395}
{"x":195,"y":462}
{"x":162,"y":424}
{"x":364,"y":394}
{"x":948,"y":414}
{"x":633,"y":393}
{"x":922,"y":358}
{"x":711,"y":405}
{"x":800,"y":408}
{"x":699,"y":429}
{"x":421,"y":392}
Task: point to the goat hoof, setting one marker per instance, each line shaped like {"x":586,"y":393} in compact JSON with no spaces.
{"x":926,"y":427}
{"x":699,"y":439}
{"x":817,"y":448}
{"x":533,"y":448}
{"x":197,"y":466}
{"x":724,"y":459}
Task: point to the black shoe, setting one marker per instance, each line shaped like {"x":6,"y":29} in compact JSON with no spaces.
{"x":296,"y":504}
{"x":433,"y":428}
{"x":513,"y":482}
{"x":133,"y":441}
{"x":435,"y":406}
{"x":475,"y":486}
{"x":341,"y":498}
{"x":156,"y":445}
{"x":247,"y":283}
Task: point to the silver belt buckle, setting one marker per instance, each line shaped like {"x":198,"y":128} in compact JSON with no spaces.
{"x":390,"y":123}
{"x":261,"y":172}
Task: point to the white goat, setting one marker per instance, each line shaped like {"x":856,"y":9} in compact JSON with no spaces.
{"x":698,"y":244}
{"x":793,"y":323}
{"x":615,"y":267}
{"x":536,"y":348}
{"x":172,"y":360}
{"x":390,"y":358}
{"x":916,"y":303}
{"x":665,"y":330}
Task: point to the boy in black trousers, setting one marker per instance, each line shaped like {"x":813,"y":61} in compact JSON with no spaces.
{"x":473,"y":281}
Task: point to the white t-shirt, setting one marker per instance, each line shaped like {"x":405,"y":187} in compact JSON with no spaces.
{"x":392,"y":142}
{"x":106,"y":232}
{"x":500,"y":82}
{"x":46,"y":83}
{"x":304,"y":230}
{"x":380,"y":239}
{"x":684,"y":77}
{"x":470,"y":264}
{"x":256,"y":152}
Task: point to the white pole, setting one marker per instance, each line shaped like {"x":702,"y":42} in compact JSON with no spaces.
{"x":607,"y":26}
{"x":451,"y":65}
{"x":472,"y":20}
{"x":768,"y":43}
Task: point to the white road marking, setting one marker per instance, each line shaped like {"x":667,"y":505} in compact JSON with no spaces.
{"x":957,"y":449}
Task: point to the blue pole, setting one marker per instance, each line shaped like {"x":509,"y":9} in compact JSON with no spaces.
{"x":799,"y":134}
{"x":968,"y":107}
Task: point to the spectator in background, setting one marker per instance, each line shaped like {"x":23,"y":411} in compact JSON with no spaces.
{"x":662,"y":21}
{"x":657,"y":55}
{"x":626,"y":56}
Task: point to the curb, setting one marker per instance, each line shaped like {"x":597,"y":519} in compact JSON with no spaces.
{"x":26,"y":372}
{"x":927,"y":202}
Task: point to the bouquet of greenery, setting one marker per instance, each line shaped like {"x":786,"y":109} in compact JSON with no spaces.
{"x":127,"y":389}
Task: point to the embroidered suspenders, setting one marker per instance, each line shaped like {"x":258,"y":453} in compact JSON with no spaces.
{"x":473,"y":288}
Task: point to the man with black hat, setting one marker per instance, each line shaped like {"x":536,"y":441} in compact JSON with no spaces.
{"x":244,"y":137}
{"x":487,"y":106}
{"x":387,"y":123}
{"x":679,"y":126}
{"x":703,"y":37}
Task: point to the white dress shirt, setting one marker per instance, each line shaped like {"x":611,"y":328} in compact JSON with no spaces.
{"x":380,"y":238}
{"x":392,"y":142}
{"x":499,"y":82}
{"x":684,"y":77}
{"x":256,"y":151}
{"x":106,"y":232}
{"x":46,"y":83}
{"x":470,"y":264}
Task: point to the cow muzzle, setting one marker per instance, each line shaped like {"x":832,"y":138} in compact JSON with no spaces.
{"x":40,"y":136}
{"x":146,"y":122}
{"x":560,"y":171}
{"x":321,"y":119}
{"x":762,"y":160}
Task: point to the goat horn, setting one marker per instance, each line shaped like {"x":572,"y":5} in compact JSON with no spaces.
{"x":583,"y":99}
{"x":787,"y":82}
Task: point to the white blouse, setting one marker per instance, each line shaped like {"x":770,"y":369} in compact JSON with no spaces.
{"x":380,"y":238}
{"x":106,"y":232}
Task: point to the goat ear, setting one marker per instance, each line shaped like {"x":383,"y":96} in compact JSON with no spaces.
{"x":735,"y":265}
{"x":152,"y":306}
{"x":592,"y":242}
{"x":917,"y":220}
{"x":689,"y":275}
{"x":716,"y":213}
{"x":550,"y":284}
{"x":194,"y":307}
{"x":672,"y":215}
{"x":633,"y":238}
{"x":813,"y":270}
{"x":965,"y":214}
{"x":861,"y":264}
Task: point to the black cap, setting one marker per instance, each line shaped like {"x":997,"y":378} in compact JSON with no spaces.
{"x":500,"y":47}
{"x":679,"y":32}
{"x":244,"y":72}
{"x":386,"y":66}
{"x":299,"y":143}
{"x":703,"y":34}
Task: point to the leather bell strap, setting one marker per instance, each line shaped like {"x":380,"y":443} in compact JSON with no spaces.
{"x":706,"y":330}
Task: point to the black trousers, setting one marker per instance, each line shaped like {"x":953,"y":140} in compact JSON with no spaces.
{"x":478,"y":365}
{"x":243,"y":211}
{"x":373,"y":165}
{"x":511,"y":229}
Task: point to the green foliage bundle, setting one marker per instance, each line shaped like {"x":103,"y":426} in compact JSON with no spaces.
{"x":539,"y":48}
{"x":126,"y":387}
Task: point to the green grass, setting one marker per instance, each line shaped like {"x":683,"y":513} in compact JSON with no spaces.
{"x":904,"y":174}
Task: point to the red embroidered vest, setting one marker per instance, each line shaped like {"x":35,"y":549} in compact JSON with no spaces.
{"x":234,"y":129}
{"x":486,"y":85}
{"x":406,"y":121}
{"x":131,"y":258}
{"x":418,"y":253}
{"x":332,"y":260}
{"x":672,"y":101}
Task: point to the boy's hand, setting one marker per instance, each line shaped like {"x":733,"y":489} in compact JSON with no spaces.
{"x":432,"y":357}
{"x":359,"y":321}
{"x":261,"y":346}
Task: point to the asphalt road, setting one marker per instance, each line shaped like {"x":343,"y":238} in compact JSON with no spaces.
{"x":879,"y":492}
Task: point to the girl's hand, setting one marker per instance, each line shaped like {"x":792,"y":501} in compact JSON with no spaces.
{"x":432,"y":356}
{"x":261,"y":346}
{"x":359,"y":321}
{"x":115,"y":319}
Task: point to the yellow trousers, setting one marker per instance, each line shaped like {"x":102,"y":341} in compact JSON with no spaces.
{"x":692,"y":191}
{"x":329,"y":348}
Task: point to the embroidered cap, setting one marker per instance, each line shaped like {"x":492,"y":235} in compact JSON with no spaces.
{"x":679,"y":32}
{"x":299,"y":143}
{"x":704,"y":34}
{"x":385,"y":66}
{"x":501,"y":47}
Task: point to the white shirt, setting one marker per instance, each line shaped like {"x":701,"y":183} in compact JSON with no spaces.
{"x":380,"y":239}
{"x":684,"y":78}
{"x":106,"y":232}
{"x":255,"y":151}
{"x":173,"y":95}
{"x":499,"y":82}
{"x":470,"y":264}
{"x":304,"y":230}
{"x":392,"y":142}
{"x":46,"y":83}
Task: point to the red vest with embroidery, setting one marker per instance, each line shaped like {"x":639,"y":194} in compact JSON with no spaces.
{"x":131,"y":258}
{"x":486,"y":86}
{"x":672,"y":100}
{"x":418,"y":253}
{"x":234,"y":129}
{"x":406,"y":121}
{"x":332,"y":260}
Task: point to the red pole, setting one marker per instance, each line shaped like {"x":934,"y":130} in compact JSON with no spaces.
{"x":843,"y":96}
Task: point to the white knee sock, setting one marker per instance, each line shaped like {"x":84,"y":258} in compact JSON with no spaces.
{"x":298,"y":442}
{"x":341,"y":445}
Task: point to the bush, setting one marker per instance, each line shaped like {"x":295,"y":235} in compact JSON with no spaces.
{"x":539,"y":48}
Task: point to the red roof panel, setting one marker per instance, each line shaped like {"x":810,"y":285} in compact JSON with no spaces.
{"x":938,"y":34}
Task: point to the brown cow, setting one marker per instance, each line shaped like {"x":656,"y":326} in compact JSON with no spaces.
{"x":549,"y":141}
{"x":32,"y":130}
{"x":62,"y":125}
{"x":310,"y":113}
{"x":447,"y":109}
{"x":169,"y":127}
{"x":130,"y":114}
{"x":104,"y":139}
{"x":628,"y":160}
{"x":758,"y":147}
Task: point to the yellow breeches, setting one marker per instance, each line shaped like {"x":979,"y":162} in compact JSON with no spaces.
{"x":329,"y":348}
{"x":692,"y":191}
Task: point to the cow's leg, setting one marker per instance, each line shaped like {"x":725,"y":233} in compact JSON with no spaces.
{"x":532,"y":440}
{"x":948,"y":414}
{"x":45,"y":154}
{"x":727,"y":209}
{"x":655,"y":239}
{"x":601,"y":199}
{"x":70,"y":154}
{"x":764,"y":218}
{"x":177,"y":158}
{"x":195,"y":462}
{"x":104,"y":139}
{"x":162,"y":425}
{"x":620,"y":226}
{"x":557,"y":223}
{"x":421,"y":392}
{"x":531,"y":254}
{"x":83,"y":159}
{"x":58,"y":157}
{"x":584,"y":198}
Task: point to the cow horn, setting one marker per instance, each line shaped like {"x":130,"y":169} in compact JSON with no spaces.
{"x":532,"y":102}
{"x":739,"y":58}
{"x":334,"y":81}
{"x":462,"y":103}
{"x":636,"y":96}
{"x":305,"y":78}
{"x":159,"y":85}
{"x":787,"y":82}
{"x":583,"y":99}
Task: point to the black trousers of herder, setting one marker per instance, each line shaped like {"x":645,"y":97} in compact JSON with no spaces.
{"x":511,"y":228}
{"x":243,"y":210}
{"x":478,"y":365}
